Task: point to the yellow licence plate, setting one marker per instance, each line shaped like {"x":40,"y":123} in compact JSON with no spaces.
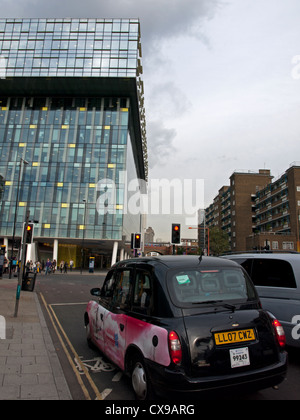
{"x":229,"y":337}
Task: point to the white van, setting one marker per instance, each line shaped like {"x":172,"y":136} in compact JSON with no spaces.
{"x":277,"y":280}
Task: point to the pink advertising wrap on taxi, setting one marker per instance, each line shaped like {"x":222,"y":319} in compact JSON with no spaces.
{"x":114,"y":333}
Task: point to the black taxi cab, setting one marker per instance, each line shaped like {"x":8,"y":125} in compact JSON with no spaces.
{"x":186,"y":324}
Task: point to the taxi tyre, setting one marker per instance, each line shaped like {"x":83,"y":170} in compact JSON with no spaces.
{"x":140,"y":381}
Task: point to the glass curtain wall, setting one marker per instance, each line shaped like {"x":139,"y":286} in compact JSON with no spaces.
{"x":70,"y":47}
{"x":70,"y":145}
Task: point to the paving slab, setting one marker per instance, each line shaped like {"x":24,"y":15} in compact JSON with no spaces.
{"x":29,"y":366}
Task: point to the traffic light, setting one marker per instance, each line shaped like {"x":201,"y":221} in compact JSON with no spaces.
{"x":175,"y":233}
{"x":29,"y":233}
{"x":137,"y":240}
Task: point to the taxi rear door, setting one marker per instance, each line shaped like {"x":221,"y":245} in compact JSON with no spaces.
{"x":115,"y":321}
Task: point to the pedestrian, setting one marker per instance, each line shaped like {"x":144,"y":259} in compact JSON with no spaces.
{"x":54,"y":266}
{"x":38,"y":266}
{"x":48,"y":267}
{"x":5,"y":265}
{"x":71,"y":265}
{"x":61,"y":266}
{"x":66,"y":267}
{"x":14,"y":264}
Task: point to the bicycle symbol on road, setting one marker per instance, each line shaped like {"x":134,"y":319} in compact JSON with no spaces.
{"x":95,"y":365}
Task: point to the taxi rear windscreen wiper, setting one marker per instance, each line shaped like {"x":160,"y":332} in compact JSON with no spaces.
{"x":224,"y":305}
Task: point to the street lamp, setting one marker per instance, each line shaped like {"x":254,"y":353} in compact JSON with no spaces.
{"x":83,"y":235}
{"x":21,"y":268}
{"x":203,"y":228}
{"x":15,"y":218}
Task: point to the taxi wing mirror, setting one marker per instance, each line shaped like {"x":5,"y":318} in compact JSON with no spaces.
{"x":95,"y":291}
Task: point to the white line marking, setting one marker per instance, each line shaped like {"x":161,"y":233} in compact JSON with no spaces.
{"x":117,"y":377}
{"x":106,"y":393}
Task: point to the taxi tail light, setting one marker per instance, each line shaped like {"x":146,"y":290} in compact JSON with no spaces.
{"x":279,"y":333}
{"x":175,"y":348}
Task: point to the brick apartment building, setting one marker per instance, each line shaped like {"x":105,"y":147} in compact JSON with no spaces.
{"x":257,"y":212}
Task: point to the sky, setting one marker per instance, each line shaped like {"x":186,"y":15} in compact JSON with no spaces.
{"x":222,"y":85}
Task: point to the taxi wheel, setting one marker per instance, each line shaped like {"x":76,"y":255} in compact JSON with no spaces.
{"x":140,"y":381}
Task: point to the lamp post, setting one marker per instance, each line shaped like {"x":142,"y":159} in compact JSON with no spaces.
{"x":83,"y":235}
{"x":203,"y":228}
{"x":16,"y":209}
{"x":297,"y":231}
{"x":21,"y":268}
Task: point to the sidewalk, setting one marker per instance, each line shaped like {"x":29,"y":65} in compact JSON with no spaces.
{"x":29,"y":366}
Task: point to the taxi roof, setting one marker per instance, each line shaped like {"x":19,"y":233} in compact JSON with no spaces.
{"x":173,"y":261}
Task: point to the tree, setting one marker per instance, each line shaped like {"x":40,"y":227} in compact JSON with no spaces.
{"x":219,"y":241}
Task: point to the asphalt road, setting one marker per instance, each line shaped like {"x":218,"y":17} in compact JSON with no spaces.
{"x":89,"y":374}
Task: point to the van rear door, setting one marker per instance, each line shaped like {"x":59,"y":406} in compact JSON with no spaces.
{"x":276,"y":283}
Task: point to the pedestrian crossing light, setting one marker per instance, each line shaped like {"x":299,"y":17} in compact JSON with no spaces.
{"x":29,"y":233}
{"x":176,"y":233}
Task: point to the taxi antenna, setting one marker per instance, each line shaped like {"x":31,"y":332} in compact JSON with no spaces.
{"x":200,"y":258}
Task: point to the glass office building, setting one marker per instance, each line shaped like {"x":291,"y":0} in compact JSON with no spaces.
{"x":72,"y":108}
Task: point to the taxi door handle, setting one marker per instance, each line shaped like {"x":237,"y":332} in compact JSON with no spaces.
{"x":122,"y":326}
{"x":101,"y":316}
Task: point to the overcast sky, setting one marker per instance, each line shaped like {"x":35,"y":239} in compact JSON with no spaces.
{"x":222,"y":85}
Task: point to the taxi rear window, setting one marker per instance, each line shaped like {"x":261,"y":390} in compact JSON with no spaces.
{"x":203,"y":286}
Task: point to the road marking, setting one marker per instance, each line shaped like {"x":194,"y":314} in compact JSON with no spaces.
{"x":53,"y":319}
{"x":106,"y":392}
{"x":95,"y":365}
{"x":117,"y":376}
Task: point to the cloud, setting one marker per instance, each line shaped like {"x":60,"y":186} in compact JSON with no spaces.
{"x":172,"y":18}
{"x":161,"y":145}
{"x":168,"y":98}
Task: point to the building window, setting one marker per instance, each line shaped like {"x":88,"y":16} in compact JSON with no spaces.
{"x":288,"y":245}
